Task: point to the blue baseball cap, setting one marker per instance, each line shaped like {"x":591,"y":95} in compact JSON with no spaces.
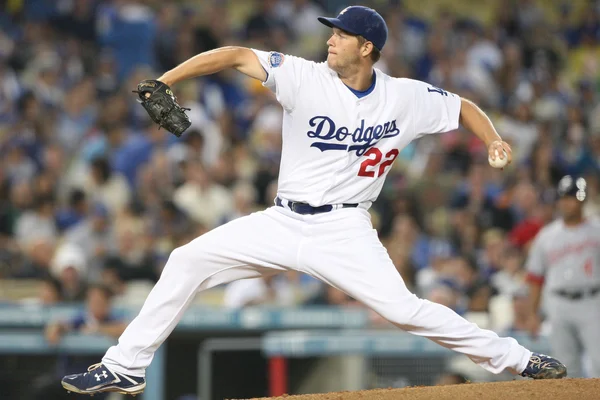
{"x":363,"y":21}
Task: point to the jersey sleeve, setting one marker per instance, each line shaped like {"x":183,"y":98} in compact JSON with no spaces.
{"x":535,"y":265}
{"x":284,"y":74}
{"x":434,"y":110}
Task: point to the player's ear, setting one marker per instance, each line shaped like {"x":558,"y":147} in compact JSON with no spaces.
{"x":366,"y":49}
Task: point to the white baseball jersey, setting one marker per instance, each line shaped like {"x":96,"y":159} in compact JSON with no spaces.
{"x":337,"y":147}
{"x":567,"y":257}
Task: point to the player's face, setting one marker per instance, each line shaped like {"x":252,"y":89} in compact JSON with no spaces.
{"x":343,"y":50}
{"x":569,"y":207}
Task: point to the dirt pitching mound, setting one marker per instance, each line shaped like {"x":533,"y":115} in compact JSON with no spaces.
{"x":563,"y":389}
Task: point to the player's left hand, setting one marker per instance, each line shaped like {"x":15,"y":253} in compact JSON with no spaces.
{"x":161,"y":104}
{"x":500,"y":146}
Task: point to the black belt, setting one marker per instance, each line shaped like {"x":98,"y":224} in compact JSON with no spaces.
{"x":305,"y":208}
{"x":579,"y":294}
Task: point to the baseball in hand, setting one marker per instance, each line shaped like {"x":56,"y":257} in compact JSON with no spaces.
{"x":499,"y":162}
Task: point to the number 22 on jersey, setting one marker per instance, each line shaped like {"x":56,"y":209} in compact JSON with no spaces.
{"x":373,"y":166}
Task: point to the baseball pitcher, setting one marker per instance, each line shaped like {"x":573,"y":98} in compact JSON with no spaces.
{"x":344,"y":124}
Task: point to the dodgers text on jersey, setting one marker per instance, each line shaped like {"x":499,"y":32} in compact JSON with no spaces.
{"x":364,"y":138}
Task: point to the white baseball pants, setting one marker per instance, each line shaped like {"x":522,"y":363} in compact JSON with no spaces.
{"x":340,"y":248}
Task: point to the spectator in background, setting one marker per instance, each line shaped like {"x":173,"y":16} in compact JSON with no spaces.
{"x":521,"y":322}
{"x":244,"y":198}
{"x":525,"y":201}
{"x":27,"y":124}
{"x":158,"y":179}
{"x":406,"y":233}
{"x":493,"y":247}
{"x":400,"y":256}
{"x":53,"y":161}
{"x":132,"y":259}
{"x":469,"y":282}
{"x":478,"y":197}
{"x":265,"y":24}
{"x":265,"y":132}
{"x":44,"y":78}
{"x":544,"y":172}
{"x":16,"y":199}
{"x":479,"y":296}
{"x":511,"y":276}
{"x":68,"y":266}
{"x":202,"y":200}
{"x":583,"y":60}
{"x":38,"y":253}
{"x":459,"y":155}
{"x":167,"y":20}
{"x":49,"y":294}
{"x":574,"y":156}
{"x":520,"y":129}
{"x":125,"y":151}
{"x":432,"y":244}
{"x":446,"y":293}
{"x":76,"y":210}
{"x":128,"y":29}
{"x":105,"y":79}
{"x":98,"y":318}
{"x":427,"y":278}
{"x":301,"y":18}
{"x":19,"y":166}
{"x":466,"y":234}
{"x":107,"y":187}
{"x":77,"y":19}
{"x":168,"y":224}
{"x":78,"y":116}
{"x":111,"y":278}
{"x":94,"y":236}
{"x":203,"y":124}
{"x":37,"y":223}
{"x":10,"y":87}
{"x":44,"y":185}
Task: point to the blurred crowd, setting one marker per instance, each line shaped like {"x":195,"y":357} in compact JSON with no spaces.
{"x":92,"y":191}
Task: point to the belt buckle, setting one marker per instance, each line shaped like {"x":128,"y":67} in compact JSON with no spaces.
{"x":292,"y":205}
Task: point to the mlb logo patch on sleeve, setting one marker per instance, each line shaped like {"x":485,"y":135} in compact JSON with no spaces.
{"x":275,"y":59}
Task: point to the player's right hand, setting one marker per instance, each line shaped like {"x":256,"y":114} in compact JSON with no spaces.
{"x":499,"y":146}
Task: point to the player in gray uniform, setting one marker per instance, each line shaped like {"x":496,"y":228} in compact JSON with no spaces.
{"x":564,"y":265}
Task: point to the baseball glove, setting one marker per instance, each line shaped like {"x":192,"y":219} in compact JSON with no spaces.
{"x":161,"y":104}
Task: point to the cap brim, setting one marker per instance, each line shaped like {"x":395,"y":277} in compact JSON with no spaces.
{"x":335,"y":23}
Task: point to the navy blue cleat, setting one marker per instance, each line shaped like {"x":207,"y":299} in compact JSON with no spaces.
{"x":541,"y":366}
{"x":100,"y":379}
